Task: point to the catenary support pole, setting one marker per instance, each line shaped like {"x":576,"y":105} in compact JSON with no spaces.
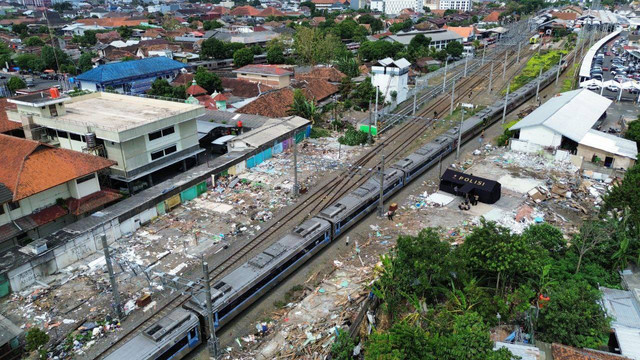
{"x":381,"y":202}
{"x":444,"y":81}
{"x":559,"y":67}
{"x":484,"y":49}
{"x":212,"y":342}
{"x":460,"y":133}
{"x":504,"y":65}
{"x":506,"y":99}
{"x":453,"y":96}
{"x":112,"y":277}
{"x":518,"y":59}
{"x":491,"y":78}
{"x":296,"y":187}
{"x":538,"y":87}
{"x":466,"y":61}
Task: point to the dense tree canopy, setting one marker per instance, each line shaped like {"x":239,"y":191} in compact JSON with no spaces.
{"x":208,"y":80}
{"x":243,"y":57}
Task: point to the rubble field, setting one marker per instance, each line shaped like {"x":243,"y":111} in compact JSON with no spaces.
{"x":72,"y":305}
{"x":536,"y":188}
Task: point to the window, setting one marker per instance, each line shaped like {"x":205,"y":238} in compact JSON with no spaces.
{"x":1,"y":209}
{"x":86,"y":178}
{"x":164,"y":152}
{"x":53,"y":110}
{"x":160,"y":133}
{"x":62,"y":134}
{"x":14,"y":205}
{"x":75,"y":137}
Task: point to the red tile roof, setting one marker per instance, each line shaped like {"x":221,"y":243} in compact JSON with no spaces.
{"x":7,"y":125}
{"x":278,"y":102}
{"x":564,"y":15}
{"x":247,"y":10}
{"x":196,"y":90}
{"x":263,"y":70}
{"x":271,"y":11}
{"x":92,"y":201}
{"x":183,"y":79}
{"x":30,"y":167}
{"x":112,"y":22}
{"x":272,"y":104}
{"x":322,"y":72}
{"x":494,"y":16}
{"x":564,"y":352}
{"x":244,"y":88}
{"x":48,"y":215}
{"x":220,"y":97}
{"x":464,"y":31}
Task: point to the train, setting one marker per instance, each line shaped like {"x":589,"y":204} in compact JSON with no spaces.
{"x":185,"y":328}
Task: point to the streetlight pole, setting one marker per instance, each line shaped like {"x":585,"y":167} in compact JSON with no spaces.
{"x":559,"y":67}
{"x":504,"y":65}
{"x":491,"y":78}
{"x":466,"y":61}
{"x":538,"y":88}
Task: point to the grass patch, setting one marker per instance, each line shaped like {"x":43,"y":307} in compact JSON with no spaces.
{"x":532,"y":69}
{"x":503,"y":140}
{"x":467,"y":113}
{"x":318,"y":132}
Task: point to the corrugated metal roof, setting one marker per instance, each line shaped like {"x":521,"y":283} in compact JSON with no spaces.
{"x":571,"y":114}
{"x":525,"y":352}
{"x":271,"y":130}
{"x":435,"y":35}
{"x":129,"y":69}
{"x":585,"y":68}
{"x":622,"y":306}
{"x":248,"y":120}
{"x":610,"y":143}
{"x":8,"y":330}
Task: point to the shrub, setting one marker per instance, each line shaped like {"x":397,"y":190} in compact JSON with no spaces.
{"x":353,"y":137}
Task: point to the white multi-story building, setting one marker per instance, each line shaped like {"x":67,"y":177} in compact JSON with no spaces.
{"x":391,"y":76}
{"x":143,"y":136}
{"x":463,"y":5}
{"x":393,"y":7}
{"x":377,"y":5}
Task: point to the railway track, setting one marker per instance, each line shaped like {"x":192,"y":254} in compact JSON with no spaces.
{"x":328,"y":192}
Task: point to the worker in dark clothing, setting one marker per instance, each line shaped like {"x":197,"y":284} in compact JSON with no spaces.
{"x":455,"y":190}
{"x":475,"y":199}
{"x":390,"y":215}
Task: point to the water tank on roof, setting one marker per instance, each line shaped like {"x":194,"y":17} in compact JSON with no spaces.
{"x":91,"y":140}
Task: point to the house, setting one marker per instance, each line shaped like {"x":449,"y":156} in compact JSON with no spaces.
{"x":566,"y":121}
{"x":8,"y":127}
{"x":133,"y":76}
{"x":244,"y":88}
{"x":564,"y":352}
{"x":247,"y":10}
{"x":273,"y":131}
{"x":467,"y":33}
{"x":391,"y":77}
{"x":493,"y":17}
{"x":146,"y":138}
{"x":277,"y":103}
{"x":327,"y":73}
{"x":37,"y":182}
{"x":439,"y":38}
{"x":79,"y":29}
{"x":613,"y":151}
{"x":271,"y":75}
{"x":461,"y":5}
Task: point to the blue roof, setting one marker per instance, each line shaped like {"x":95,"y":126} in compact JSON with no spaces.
{"x":128,"y":69}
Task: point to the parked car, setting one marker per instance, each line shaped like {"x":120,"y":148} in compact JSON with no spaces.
{"x":612,"y":88}
{"x":593,"y":87}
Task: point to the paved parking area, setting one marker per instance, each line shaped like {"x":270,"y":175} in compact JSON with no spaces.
{"x":608,"y":62}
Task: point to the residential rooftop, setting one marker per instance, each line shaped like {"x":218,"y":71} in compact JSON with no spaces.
{"x":116,"y":112}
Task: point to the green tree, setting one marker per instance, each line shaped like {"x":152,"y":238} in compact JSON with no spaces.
{"x":348,"y":66}
{"x":5,"y":55}
{"x":403,"y":26}
{"x":243,"y":57}
{"x":364,"y":94}
{"x":209,"y":81}
{"x":212,"y":25}
{"x":492,"y":251}
{"x":63,"y":6}
{"x":275,"y":53}
{"x":633,"y":132}
{"x":16,"y":83}
{"x":35,"y":339}
{"x":212,"y":48}
{"x":125,"y":32}
{"x":54,"y":56}
{"x":20,"y":29}
{"x":33,"y":41}
{"x":402,"y":341}
{"x":574,"y":316}
{"x":85,"y":63}
{"x":547,"y":237}
{"x":380,"y":49}
{"x":161,"y":87}
{"x":313,"y":47}
{"x":454,"y":49}
{"x":375,"y":24}
{"x":342,"y":348}
{"x":30,"y":62}
{"x":304,"y":108}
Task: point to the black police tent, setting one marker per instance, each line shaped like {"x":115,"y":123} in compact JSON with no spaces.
{"x":488,"y":191}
